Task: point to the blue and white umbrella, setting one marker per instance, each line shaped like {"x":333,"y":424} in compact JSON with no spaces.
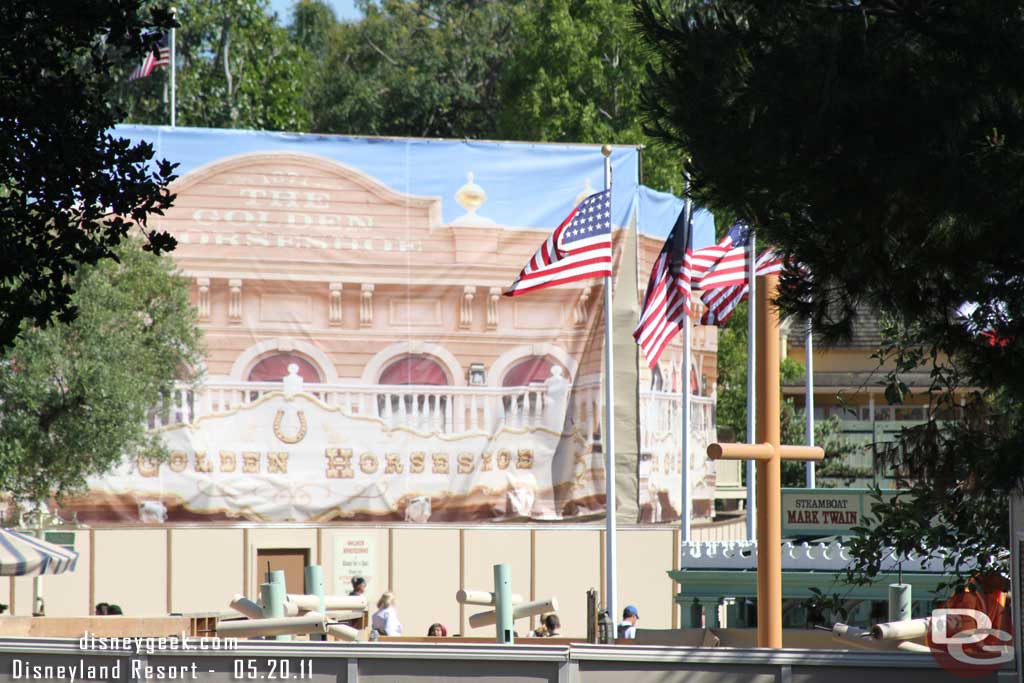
{"x":23,"y":555}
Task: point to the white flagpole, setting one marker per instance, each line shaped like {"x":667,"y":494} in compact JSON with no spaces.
{"x":173,"y":66}
{"x":809,"y":402}
{"x":609,"y":428}
{"x":686,"y":509}
{"x":751,"y":387}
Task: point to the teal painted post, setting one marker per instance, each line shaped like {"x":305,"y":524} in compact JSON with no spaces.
{"x":276,"y":598}
{"x":715,"y":613}
{"x":692,"y":614}
{"x":503,"y":604}
{"x":314,"y":583}
{"x":732,"y":613}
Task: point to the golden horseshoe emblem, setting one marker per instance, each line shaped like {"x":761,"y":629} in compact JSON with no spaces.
{"x":299,"y":436}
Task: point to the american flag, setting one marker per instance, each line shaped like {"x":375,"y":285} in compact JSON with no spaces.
{"x":719,"y":304}
{"x":579,"y":249}
{"x":667,"y":301}
{"x":159,"y":57}
{"x":705,"y":259}
{"x":730,"y":268}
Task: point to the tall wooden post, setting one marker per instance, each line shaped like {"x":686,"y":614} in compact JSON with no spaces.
{"x":769,"y":473}
{"x":768,"y":454}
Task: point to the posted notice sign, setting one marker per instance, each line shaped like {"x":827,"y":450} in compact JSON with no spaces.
{"x":824,"y":512}
{"x":355,"y":554}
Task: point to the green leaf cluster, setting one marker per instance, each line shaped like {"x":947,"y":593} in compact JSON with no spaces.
{"x":76,"y":396}
{"x":70,"y":192}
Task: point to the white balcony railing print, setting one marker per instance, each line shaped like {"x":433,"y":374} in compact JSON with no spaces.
{"x":449,"y":409}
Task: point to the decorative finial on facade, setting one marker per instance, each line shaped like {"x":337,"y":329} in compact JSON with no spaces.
{"x":471,"y":197}
{"x":587,"y":191}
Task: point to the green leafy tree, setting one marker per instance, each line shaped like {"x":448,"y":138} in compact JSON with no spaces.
{"x":423,"y":67}
{"x":574,"y":79}
{"x":544,"y":70}
{"x":311,"y":25}
{"x":76,"y":396}
{"x":69,"y":190}
{"x":880,"y":145}
{"x":236,"y":68}
{"x":731,"y":412}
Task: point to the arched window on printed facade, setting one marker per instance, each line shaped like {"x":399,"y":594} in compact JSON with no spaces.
{"x":419,"y":371}
{"x":534,"y":372}
{"x":274,"y":368}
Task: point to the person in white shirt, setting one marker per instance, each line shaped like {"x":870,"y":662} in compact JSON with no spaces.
{"x":385,"y":619}
{"x":627,"y":629}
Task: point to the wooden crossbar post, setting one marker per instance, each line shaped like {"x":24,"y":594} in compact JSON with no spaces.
{"x":768,"y":454}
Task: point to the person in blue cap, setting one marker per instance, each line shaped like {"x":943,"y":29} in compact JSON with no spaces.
{"x":627,"y":629}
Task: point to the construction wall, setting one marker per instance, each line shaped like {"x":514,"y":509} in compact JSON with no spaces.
{"x":152,"y":572}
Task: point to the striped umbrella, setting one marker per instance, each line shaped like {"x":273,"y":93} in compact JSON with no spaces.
{"x":22,"y":555}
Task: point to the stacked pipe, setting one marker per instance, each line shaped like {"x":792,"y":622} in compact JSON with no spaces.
{"x":520,"y":609}
{"x":283,"y":615}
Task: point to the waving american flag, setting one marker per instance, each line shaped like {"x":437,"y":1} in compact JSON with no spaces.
{"x":159,"y":57}
{"x":720,"y":303}
{"x":667,"y":301}
{"x":579,"y":249}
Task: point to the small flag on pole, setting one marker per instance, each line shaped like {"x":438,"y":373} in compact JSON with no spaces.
{"x":579,"y":249}
{"x":720,"y":303}
{"x":159,"y":57}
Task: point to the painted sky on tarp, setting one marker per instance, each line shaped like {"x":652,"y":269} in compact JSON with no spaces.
{"x":529,"y":185}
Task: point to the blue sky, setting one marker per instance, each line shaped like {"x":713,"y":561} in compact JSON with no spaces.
{"x":343,"y":9}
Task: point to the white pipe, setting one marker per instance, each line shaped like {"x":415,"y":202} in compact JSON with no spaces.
{"x":343,"y":631}
{"x":310,"y":603}
{"x":310,"y":623}
{"x":609,"y":434}
{"x":751,"y":386}
{"x":341,"y":615}
{"x":486,"y":598}
{"x":244,"y":605}
{"x":527,"y":609}
{"x":901,"y":630}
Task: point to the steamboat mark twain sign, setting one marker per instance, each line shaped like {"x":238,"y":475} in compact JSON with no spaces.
{"x":824,"y":512}
{"x":290,"y":457}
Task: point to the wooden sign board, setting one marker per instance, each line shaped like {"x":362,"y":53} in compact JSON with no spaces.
{"x":824,"y":512}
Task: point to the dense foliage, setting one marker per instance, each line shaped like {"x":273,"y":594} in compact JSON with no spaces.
{"x":543,"y":70}
{"x":77,"y":395}
{"x":880,"y":145}
{"x":70,"y":191}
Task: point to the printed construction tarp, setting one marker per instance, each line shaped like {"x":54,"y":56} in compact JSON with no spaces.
{"x":361,"y":362}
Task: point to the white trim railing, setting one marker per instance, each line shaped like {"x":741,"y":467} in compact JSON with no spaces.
{"x":424,"y":408}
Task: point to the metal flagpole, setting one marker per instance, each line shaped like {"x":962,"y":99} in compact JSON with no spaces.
{"x":173,"y":66}
{"x":751,"y":386}
{"x":609,"y":428}
{"x":809,"y":401}
{"x":686,"y":509}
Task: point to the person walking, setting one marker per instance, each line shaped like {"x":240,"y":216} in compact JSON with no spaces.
{"x":385,"y":620}
{"x":627,"y":629}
